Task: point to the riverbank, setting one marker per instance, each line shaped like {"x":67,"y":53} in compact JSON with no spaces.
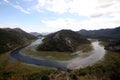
{"x":11,"y":69}
{"x":106,"y":69}
{"x":52,"y":55}
{"x":83,"y":60}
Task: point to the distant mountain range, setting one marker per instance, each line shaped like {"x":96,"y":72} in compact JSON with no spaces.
{"x":62,"y":41}
{"x":113,"y":34}
{"x":11,"y":38}
{"x":35,"y":33}
{"x":39,"y":34}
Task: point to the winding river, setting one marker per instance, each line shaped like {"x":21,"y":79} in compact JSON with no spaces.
{"x":79,"y":62}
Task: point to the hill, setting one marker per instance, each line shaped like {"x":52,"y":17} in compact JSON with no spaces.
{"x":62,"y":41}
{"x":11,"y":38}
{"x":35,"y":33}
{"x":112,"y":34}
{"x":38,"y":35}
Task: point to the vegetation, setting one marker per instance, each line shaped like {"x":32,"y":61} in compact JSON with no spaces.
{"x":104,"y":34}
{"x":106,"y":69}
{"x":16,"y":70}
{"x":53,"y":55}
{"x":11,"y":38}
{"x":85,"y":47}
{"x":62,"y":41}
{"x":113,"y":46}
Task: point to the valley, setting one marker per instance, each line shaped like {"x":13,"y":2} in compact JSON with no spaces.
{"x":70,"y":60}
{"x":91,"y":61}
{"x":59,"y":39}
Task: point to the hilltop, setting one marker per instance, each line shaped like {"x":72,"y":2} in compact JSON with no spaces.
{"x":112,"y":34}
{"x":11,"y":38}
{"x":62,"y":41}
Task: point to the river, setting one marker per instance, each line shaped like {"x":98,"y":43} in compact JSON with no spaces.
{"x":79,"y":62}
{"x":95,"y":55}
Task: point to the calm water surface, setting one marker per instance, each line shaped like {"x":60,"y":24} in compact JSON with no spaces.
{"x":79,"y":62}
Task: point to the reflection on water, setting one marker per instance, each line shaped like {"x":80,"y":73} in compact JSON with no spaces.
{"x":79,"y":62}
{"x":98,"y":50}
{"x":96,"y":55}
{"x":38,"y":41}
{"x":34,"y":44}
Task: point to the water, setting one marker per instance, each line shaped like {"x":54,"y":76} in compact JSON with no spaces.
{"x":34,"y":44}
{"x":79,"y":62}
{"x":38,"y":41}
{"x":97,"y":54}
{"x":18,"y":55}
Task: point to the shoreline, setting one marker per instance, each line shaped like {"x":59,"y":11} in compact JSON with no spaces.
{"x":74,"y":63}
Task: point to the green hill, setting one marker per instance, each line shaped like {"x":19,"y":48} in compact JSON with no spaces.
{"x":62,"y":41}
{"x":11,"y":38}
{"x":112,"y":34}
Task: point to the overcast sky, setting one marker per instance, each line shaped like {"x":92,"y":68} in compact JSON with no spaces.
{"x":53,"y":15}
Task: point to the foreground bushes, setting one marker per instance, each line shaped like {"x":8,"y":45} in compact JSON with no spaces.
{"x":106,"y":69}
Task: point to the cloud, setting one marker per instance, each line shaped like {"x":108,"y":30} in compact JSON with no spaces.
{"x":88,"y":8}
{"x":7,"y":1}
{"x":20,"y":8}
{"x":109,"y":8}
{"x":98,"y":23}
{"x":17,"y":7}
{"x":93,"y":23}
{"x":58,"y":6}
{"x":81,"y":7}
{"x":28,"y":28}
{"x":61,"y":23}
{"x":98,"y":13}
{"x":28,"y":0}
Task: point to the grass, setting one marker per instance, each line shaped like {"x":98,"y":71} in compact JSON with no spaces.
{"x":104,"y":43}
{"x":85,"y":47}
{"x":52,"y":55}
{"x":16,"y":70}
{"x":106,"y":69}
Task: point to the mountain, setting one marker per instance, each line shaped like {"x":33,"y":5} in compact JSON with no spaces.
{"x":113,"y":34}
{"x":11,"y":38}
{"x":62,"y":41}
{"x":35,"y":33}
{"x":39,"y":35}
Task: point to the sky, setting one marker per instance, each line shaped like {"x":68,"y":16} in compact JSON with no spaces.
{"x":54,"y":15}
